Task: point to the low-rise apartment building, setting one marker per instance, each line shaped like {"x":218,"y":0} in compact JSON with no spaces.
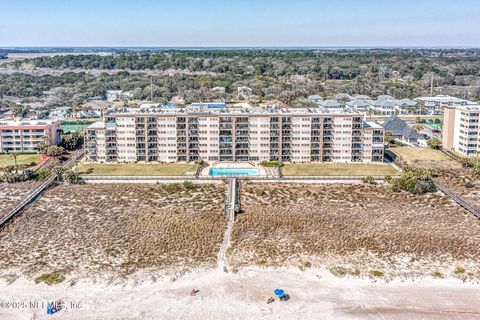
{"x":23,"y":136}
{"x":435,"y":105}
{"x":388,"y":105}
{"x":234,"y":134}
{"x":461,"y":131}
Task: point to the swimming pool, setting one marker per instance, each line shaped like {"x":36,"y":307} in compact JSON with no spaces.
{"x":233,"y":172}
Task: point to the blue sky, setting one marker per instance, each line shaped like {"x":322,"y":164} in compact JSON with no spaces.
{"x":240,"y":23}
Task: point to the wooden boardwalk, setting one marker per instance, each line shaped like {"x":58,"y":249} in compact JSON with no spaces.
{"x":231,"y":209}
{"x":34,"y":194}
{"x":459,"y":200}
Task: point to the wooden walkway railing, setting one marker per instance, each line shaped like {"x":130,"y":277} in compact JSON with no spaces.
{"x":232,"y":189}
{"x":458,"y":199}
{"x":31,"y":196}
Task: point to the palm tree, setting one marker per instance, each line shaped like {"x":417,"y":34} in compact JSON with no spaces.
{"x":42,"y":145}
{"x":417,"y":127}
{"x":388,"y":137}
{"x":15,"y":155}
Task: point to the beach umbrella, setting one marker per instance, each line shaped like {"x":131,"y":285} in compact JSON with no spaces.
{"x":279,"y":292}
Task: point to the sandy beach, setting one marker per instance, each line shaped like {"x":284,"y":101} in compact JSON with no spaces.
{"x":136,"y":252}
{"x":314,"y":294}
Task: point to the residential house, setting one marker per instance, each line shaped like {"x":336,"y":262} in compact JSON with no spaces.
{"x":401,"y":131}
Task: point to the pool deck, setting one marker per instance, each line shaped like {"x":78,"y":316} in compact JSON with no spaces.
{"x":237,"y":165}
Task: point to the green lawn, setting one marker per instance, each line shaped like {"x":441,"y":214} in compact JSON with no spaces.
{"x":136,"y":169}
{"x":76,"y":126}
{"x":410,"y":154}
{"x":338,"y":169}
{"x":22,"y":159}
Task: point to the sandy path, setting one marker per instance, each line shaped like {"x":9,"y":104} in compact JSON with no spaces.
{"x":315,"y":295}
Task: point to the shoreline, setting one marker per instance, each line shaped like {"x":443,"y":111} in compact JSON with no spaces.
{"x":315,"y":294}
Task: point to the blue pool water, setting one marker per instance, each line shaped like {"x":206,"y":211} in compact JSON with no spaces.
{"x":233,"y":172}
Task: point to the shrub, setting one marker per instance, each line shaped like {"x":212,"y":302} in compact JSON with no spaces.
{"x":368,"y":180}
{"x":261,"y":263}
{"x":414,"y":180}
{"x":437,"y":274}
{"x":376,"y":273}
{"x":338,"y":271}
{"x":12,"y":177}
{"x":71,"y":177}
{"x":469,"y":185}
{"x":434,"y":143}
{"x":41,"y":174}
{"x":272,"y":164}
{"x":55,"y":151}
{"x":189,"y":185}
{"x":459,"y":270}
{"x":72,"y":141}
{"x":51,"y":278}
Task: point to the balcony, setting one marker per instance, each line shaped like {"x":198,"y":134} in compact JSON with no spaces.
{"x":225,"y":120}
{"x":225,"y":146}
{"x":242,"y":133}
{"x":227,"y":133}
{"x":241,"y":120}
{"x":241,"y":139}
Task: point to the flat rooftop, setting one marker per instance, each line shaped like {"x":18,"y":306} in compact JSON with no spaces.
{"x":372,"y":125}
{"x":20,"y":123}
{"x":203,"y":110}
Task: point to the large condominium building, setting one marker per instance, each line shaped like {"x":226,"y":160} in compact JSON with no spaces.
{"x":461,"y":129}
{"x":23,"y":136}
{"x":231,"y":134}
